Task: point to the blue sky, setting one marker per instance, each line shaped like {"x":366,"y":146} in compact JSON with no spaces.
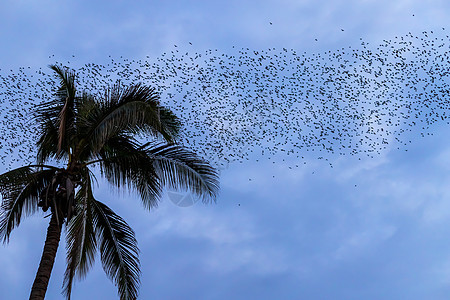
{"x":369,"y":228}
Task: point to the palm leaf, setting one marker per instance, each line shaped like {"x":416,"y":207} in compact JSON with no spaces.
{"x":133,"y":110}
{"x":80,"y":239}
{"x":66,"y":90}
{"x":67,"y":81}
{"x":122,"y":163}
{"x":67,"y":113}
{"x":48,"y":141}
{"x":118,"y":250}
{"x":61,"y":110}
{"x":170,"y":124}
{"x":20,"y":189}
{"x":179,"y":168}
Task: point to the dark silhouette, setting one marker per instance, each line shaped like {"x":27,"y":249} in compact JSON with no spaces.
{"x":76,"y":132}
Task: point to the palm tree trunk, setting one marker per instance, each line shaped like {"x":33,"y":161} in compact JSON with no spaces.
{"x":48,"y":258}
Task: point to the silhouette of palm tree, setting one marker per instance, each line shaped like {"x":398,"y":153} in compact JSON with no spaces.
{"x":80,"y":131}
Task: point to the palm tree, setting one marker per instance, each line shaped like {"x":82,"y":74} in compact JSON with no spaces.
{"x":77,"y":133}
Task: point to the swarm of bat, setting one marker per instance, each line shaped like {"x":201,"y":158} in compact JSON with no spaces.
{"x":246,"y":103}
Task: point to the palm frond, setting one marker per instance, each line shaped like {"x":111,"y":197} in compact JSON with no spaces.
{"x":170,"y":123}
{"x":81,"y":242}
{"x":118,"y":250}
{"x":67,"y":113}
{"x":60,"y":111}
{"x":48,"y":141}
{"x":179,"y":168}
{"x":64,"y":116}
{"x":66,"y":89}
{"x":133,"y":110}
{"x":67,"y":81}
{"x":15,"y":177}
{"x":122,"y":163}
{"x":20,"y":189}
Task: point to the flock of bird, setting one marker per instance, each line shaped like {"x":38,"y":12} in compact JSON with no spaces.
{"x":248,"y":103}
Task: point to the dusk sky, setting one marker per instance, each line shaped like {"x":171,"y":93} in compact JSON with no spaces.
{"x":366,"y":228}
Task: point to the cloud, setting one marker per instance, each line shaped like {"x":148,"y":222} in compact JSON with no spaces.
{"x":363,"y":241}
{"x":233,"y":240}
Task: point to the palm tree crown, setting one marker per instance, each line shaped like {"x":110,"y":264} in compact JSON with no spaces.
{"x":82,"y":131}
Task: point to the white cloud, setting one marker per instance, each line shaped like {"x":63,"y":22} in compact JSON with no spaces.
{"x":363,"y":241}
{"x":254,"y":260}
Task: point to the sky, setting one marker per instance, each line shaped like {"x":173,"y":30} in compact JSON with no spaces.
{"x":365,"y":228}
